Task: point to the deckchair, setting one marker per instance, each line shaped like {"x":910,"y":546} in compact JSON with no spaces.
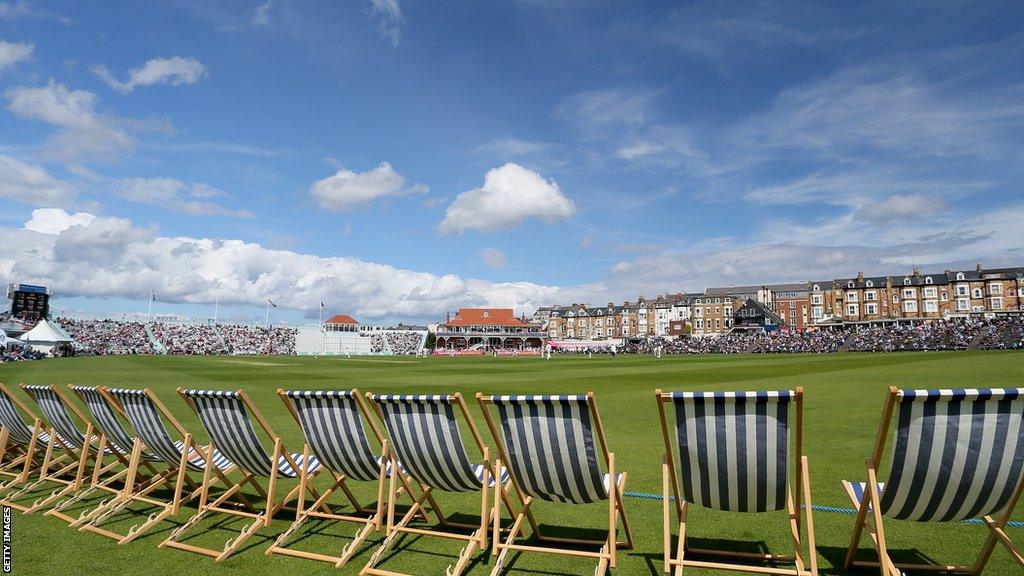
{"x":956,"y":455}
{"x":332,"y":423}
{"x":424,"y":433}
{"x":549,"y":446}
{"x":225,"y":416}
{"x":65,"y":436}
{"x":733,"y":455}
{"x":20,"y":443}
{"x":113,"y":440}
{"x":150,"y":448}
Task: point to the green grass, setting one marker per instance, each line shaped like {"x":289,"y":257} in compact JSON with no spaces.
{"x":843,"y":401}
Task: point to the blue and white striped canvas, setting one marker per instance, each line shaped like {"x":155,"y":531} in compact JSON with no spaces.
{"x":226,"y":420}
{"x":549,"y":443}
{"x":734,"y":449}
{"x":425,"y":435}
{"x":144,"y":416}
{"x":331,"y":423}
{"x":18,"y":431}
{"x":56,"y":413}
{"x":957,"y":454}
{"x":106,"y":421}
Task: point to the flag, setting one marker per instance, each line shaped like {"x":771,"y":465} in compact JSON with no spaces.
{"x":271,"y":302}
{"x":152,"y":296}
{"x":321,"y":304}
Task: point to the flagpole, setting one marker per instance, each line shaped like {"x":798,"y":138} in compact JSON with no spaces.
{"x":216,"y":304}
{"x":320,"y":315}
{"x":268,"y":312}
{"x":149,"y":313}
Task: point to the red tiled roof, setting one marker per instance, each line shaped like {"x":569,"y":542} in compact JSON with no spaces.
{"x":485,"y":317}
{"x":341,"y":319}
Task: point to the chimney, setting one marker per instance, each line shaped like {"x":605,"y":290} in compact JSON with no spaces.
{"x":860,"y":277}
{"x":917,"y":270}
{"x":978,"y":267}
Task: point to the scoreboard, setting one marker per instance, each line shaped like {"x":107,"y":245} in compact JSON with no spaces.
{"x":29,"y":301}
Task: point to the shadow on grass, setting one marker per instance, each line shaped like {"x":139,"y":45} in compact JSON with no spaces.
{"x":836,"y":556}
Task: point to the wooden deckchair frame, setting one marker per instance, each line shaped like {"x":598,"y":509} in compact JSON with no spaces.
{"x":607,"y":554}
{"x":21,"y":466}
{"x":260,"y":519}
{"x":795,"y":501}
{"x":103,"y":475}
{"x":51,"y":469}
{"x":871,"y":504}
{"x":134,"y":491}
{"x":475,"y":541}
{"x":369,"y":517}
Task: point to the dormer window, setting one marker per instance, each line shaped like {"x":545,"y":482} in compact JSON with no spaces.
{"x":928,"y":280}
{"x":906,"y":281}
{"x":817,"y":288}
{"x":870,"y":284}
{"x":959,"y":275}
{"x":849,"y":284}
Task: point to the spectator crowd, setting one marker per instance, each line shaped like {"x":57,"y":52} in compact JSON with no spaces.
{"x":397,"y":342}
{"x":104,"y":337}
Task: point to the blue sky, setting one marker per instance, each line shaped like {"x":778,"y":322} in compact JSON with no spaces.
{"x":398,"y":159}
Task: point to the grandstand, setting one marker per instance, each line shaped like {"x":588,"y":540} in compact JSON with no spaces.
{"x":343,"y":335}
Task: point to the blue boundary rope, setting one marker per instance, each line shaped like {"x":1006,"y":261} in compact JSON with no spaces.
{"x":816,"y":508}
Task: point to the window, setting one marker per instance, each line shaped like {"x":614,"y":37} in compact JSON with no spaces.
{"x":895,"y":299}
{"x":851,"y":296}
{"x":849,"y":284}
{"x":909,"y":293}
{"x":816,"y":298}
{"x":963,"y":304}
{"x":928,"y":280}
{"x":871,"y":309}
{"x":910,"y":306}
{"x":929,"y":292}
{"x":817,"y":312}
{"x":718,"y":310}
{"x":945,"y":296}
{"x":997,"y":303}
{"x":959,"y":275}
{"x":931,"y":306}
{"x":870,"y":284}
{"x":961,"y":290}
{"x":700,"y":323}
{"x":906,"y":281}
{"x":871,"y":296}
{"x":995,"y":289}
{"x":851,"y":310}
{"x":976,"y":293}
{"x":817,"y":288}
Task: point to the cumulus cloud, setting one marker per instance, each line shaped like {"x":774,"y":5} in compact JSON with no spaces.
{"x":389,"y":19}
{"x":347,"y":190}
{"x":175,"y":71}
{"x":55,"y":220}
{"x":494,"y":258}
{"x":31,"y":184}
{"x":510,"y":195}
{"x":82,"y":131}
{"x":177,"y":196}
{"x":103,"y":256}
{"x":13,"y":52}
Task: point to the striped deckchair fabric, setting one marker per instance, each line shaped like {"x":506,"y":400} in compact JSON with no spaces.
{"x":733,"y":449}
{"x":56,"y":412}
{"x":736,"y":452}
{"x":107,"y":421}
{"x":331,"y":423}
{"x":18,"y":432}
{"x":425,"y":435}
{"x":144,"y":416}
{"x":226,"y":419}
{"x":549,"y":443}
{"x":957,"y":454}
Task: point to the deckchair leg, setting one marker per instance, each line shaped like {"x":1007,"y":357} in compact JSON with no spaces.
{"x":393,"y":532}
{"x":613,"y":485}
{"x":666,"y":534}
{"x":517,"y":525}
{"x":809,"y":515}
{"x":878,"y":531}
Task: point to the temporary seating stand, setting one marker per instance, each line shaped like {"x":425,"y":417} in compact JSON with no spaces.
{"x":733,"y":452}
{"x":151,"y":446}
{"x":65,"y":436}
{"x":547,"y":444}
{"x":332,"y":423}
{"x":225,"y":416}
{"x":957,"y":454}
{"x":20,"y":444}
{"x":425,"y":438}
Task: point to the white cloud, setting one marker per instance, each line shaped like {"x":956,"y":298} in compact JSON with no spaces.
{"x":177,"y":196}
{"x":494,"y":258}
{"x":82,"y":131}
{"x":55,"y":220}
{"x":389,"y":19}
{"x":14,"y":10}
{"x":261,"y":17}
{"x":595,"y":112}
{"x":113,"y":257}
{"x":31,"y":184}
{"x":13,"y":52}
{"x":510,"y":195}
{"x":175,"y":71}
{"x":901,"y":207}
{"x":347,"y":190}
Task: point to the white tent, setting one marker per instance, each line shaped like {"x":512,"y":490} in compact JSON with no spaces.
{"x":44,"y":336}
